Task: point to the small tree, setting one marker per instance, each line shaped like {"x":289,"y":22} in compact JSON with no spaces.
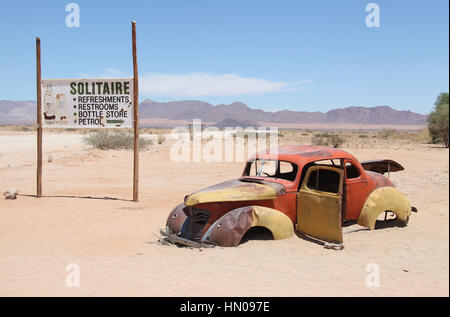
{"x":438,"y":121}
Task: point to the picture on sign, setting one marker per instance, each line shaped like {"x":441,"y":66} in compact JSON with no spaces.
{"x":87,"y":103}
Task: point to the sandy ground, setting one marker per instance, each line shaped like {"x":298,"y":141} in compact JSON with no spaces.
{"x":114,"y":241}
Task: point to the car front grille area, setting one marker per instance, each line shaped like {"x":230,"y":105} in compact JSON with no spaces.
{"x":195,"y":223}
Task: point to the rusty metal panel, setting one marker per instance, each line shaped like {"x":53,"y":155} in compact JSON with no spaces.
{"x":233,"y":190}
{"x":382,"y":166}
{"x":229,"y":229}
{"x":278,"y":223}
{"x":319,"y":213}
{"x":176,"y":218}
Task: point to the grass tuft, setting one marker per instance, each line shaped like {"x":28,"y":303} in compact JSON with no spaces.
{"x":105,"y":140}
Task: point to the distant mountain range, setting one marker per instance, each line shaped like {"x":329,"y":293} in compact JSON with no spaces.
{"x":17,"y":112}
{"x":24,"y":112}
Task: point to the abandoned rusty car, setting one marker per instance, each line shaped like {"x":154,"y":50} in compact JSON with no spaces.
{"x":312,"y":189}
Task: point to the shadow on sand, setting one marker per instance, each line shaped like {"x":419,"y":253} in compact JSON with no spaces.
{"x":77,"y":197}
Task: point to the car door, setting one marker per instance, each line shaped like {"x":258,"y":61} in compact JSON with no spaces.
{"x":319,"y":203}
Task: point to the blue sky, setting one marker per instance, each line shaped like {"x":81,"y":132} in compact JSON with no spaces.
{"x":299,"y":55}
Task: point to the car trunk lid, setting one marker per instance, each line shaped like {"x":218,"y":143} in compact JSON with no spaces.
{"x":382,"y":166}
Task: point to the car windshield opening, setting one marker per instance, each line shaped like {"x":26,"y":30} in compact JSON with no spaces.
{"x":272,"y":169}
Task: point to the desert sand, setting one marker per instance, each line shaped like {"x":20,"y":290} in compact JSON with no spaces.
{"x":115,"y":241}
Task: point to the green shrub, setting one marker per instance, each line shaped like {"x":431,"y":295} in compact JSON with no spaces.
{"x":105,"y":140}
{"x":438,"y":120}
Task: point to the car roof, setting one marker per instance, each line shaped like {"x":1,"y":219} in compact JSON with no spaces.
{"x":303,"y":154}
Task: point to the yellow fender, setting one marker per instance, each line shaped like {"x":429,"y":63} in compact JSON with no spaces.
{"x":278,"y":223}
{"x":384,"y":199}
{"x":231,"y":227}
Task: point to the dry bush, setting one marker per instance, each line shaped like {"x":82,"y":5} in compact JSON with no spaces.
{"x":421,"y":136}
{"x":155,"y":130}
{"x":387,"y":133}
{"x":105,"y":140}
{"x":161,"y":138}
{"x":327,"y":139}
{"x":21,"y":128}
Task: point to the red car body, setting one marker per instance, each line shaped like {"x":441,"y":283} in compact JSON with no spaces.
{"x":237,"y":203}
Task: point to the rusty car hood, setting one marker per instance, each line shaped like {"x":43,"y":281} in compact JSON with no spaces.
{"x":243,"y":189}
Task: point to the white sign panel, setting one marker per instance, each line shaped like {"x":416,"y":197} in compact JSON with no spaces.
{"x":87,"y":103}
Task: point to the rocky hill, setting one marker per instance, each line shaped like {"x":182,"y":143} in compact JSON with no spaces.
{"x":24,"y":112}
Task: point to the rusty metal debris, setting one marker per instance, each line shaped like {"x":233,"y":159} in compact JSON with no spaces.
{"x":333,"y":246}
{"x":176,"y":239}
{"x":11,"y":193}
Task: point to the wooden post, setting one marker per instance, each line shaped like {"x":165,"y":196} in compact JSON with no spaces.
{"x":135,"y":116}
{"x":39,"y":119}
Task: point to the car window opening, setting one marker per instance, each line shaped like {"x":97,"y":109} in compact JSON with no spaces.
{"x":272,"y":169}
{"x":324,"y":180}
{"x":351,"y":171}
